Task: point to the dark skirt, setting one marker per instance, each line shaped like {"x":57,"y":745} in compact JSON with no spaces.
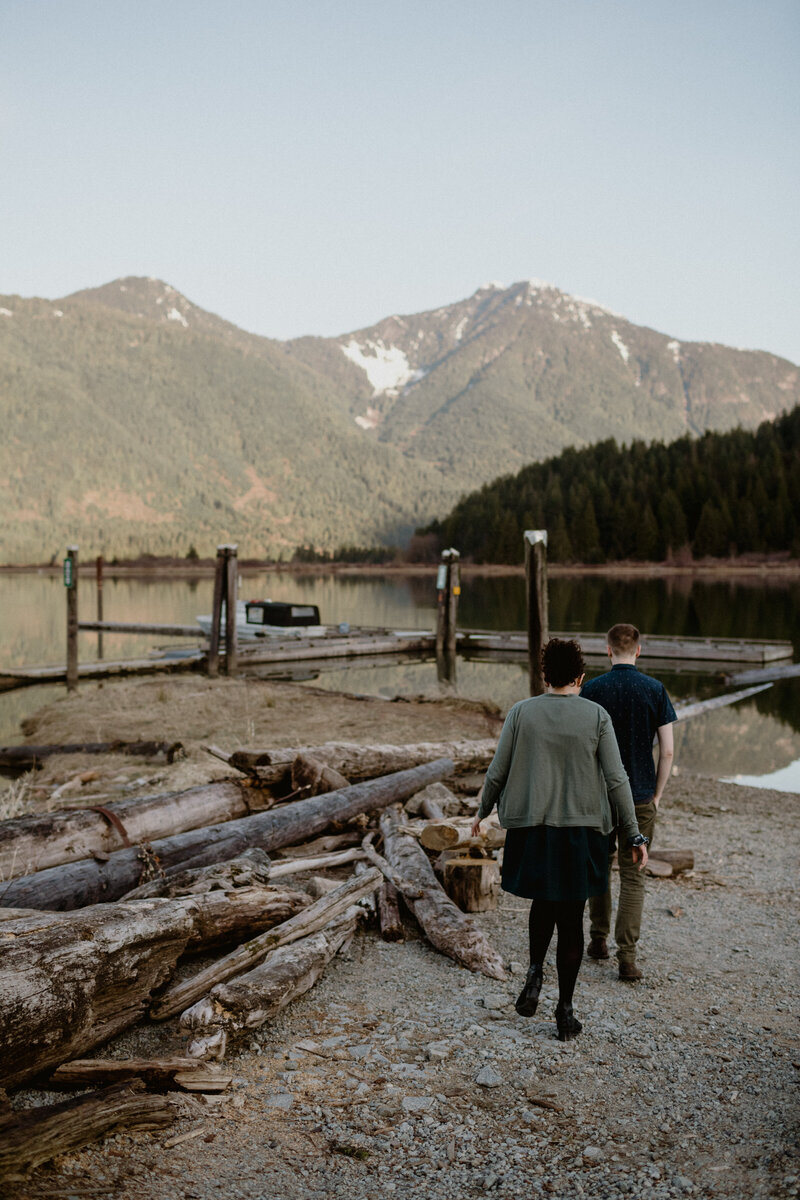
{"x":541,"y":862}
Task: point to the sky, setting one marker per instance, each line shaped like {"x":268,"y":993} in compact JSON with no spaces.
{"x":312,"y":166}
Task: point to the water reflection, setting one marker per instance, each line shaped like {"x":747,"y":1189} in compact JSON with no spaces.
{"x":758,"y":737}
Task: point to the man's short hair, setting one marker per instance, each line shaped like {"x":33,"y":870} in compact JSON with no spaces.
{"x":623,"y":639}
{"x":562,"y":662}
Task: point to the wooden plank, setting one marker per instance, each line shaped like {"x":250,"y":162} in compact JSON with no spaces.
{"x":18,"y":677}
{"x":193,"y":631}
{"x":661,"y":646}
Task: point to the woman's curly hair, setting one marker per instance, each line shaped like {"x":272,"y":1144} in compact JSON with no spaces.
{"x":562,"y":662}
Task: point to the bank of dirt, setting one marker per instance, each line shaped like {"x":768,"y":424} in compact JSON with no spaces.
{"x":681,"y":1085}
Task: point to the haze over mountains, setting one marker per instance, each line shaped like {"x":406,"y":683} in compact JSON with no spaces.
{"x":136,"y":422}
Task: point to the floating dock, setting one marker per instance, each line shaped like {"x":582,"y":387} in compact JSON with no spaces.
{"x":672,"y":653}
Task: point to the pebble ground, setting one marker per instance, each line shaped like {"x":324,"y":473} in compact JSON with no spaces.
{"x":404,"y":1075}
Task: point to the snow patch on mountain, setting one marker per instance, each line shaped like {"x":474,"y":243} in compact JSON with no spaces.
{"x":618,"y":342}
{"x":458,"y":332}
{"x":675,"y":348}
{"x":386,"y":367}
{"x":174,"y":315}
{"x":6,"y":312}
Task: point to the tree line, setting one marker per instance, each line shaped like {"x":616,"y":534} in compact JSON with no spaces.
{"x":713,"y":496}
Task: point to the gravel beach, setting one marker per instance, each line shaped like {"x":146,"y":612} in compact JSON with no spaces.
{"x":403,"y":1074}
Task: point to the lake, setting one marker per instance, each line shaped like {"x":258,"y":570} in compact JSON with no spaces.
{"x":757,"y":740}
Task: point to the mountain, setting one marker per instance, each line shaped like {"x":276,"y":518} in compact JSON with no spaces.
{"x":515,"y":374}
{"x":137,"y":422}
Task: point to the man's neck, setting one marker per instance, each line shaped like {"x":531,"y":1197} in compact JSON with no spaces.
{"x":623,"y":660}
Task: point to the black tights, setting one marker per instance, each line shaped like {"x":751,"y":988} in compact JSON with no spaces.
{"x":567,"y":917}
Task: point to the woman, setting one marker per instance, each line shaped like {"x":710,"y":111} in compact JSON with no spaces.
{"x":560,"y":789}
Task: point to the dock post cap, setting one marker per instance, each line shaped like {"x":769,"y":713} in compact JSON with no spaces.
{"x":452,"y":553}
{"x":535,"y":535}
{"x":72,"y":549}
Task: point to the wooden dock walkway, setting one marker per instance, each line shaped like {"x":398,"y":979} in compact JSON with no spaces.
{"x":673,"y":653}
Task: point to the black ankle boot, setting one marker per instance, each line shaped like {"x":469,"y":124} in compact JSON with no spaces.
{"x":567,"y":1023}
{"x":529,"y":996}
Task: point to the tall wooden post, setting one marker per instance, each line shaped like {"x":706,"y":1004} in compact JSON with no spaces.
{"x":448,"y":590}
{"x":231,"y":596}
{"x":71,"y":584}
{"x":536,"y":586}
{"x":220,"y":592}
{"x":99,"y":570}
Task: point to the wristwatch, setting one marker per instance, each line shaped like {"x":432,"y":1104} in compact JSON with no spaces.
{"x":639,"y":840}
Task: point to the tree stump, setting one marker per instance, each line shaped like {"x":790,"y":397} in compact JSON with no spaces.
{"x":472,"y":883}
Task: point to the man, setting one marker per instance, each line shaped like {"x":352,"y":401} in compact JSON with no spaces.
{"x":640,"y":711}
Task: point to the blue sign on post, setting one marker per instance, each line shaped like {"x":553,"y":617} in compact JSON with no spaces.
{"x":69,"y":573}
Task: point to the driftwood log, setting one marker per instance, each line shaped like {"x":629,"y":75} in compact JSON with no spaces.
{"x":389,"y":913}
{"x":246,"y":870}
{"x":358,"y":763}
{"x":314,"y":918}
{"x":313,"y":777}
{"x":252,"y":999}
{"x":456,"y":833}
{"x":191,"y":1074}
{"x":28,"y":758}
{"x":36,"y":842}
{"x":666,"y":864}
{"x":444,"y":925}
{"x":71,"y":981}
{"x":434,"y":802}
{"x":74,"y":885}
{"x":34,"y":1137}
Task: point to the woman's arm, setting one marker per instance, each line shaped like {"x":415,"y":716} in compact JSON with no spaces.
{"x":498,"y":768}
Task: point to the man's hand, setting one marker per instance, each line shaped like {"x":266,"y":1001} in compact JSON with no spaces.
{"x":476,"y":827}
{"x":640,"y":855}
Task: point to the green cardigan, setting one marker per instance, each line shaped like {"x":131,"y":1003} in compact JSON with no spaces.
{"x":557,"y":763}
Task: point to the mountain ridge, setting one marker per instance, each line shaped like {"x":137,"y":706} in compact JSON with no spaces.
{"x":137,"y":421}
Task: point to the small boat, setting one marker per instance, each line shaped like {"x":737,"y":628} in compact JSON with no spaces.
{"x":271,"y":619}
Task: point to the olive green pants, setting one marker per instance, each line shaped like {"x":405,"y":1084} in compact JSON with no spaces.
{"x":631,"y":895}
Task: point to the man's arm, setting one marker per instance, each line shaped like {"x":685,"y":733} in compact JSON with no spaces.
{"x":666,"y":752}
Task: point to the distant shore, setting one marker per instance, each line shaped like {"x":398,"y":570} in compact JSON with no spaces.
{"x":759,"y":567}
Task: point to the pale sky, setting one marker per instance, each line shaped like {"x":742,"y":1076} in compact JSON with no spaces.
{"x":311,"y":166}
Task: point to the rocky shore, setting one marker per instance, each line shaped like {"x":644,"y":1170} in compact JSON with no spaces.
{"x":402,"y":1073}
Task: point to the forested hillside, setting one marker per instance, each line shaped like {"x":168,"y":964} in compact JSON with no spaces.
{"x":723,"y":493}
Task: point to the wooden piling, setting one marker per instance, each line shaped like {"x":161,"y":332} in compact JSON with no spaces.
{"x":536,"y":592}
{"x":98,"y":563}
{"x":71,"y":582}
{"x":220,"y":590}
{"x":231,"y":596}
{"x":448,"y":589}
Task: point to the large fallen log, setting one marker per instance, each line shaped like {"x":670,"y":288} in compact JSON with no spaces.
{"x":191,"y":1074}
{"x":37,"y":1135}
{"x":444,"y":925}
{"x":358,"y":763}
{"x":74,"y":885}
{"x":249,"y":1001}
{"x":38,"y":841}
{"x":314,"y":918}
{"x":389,"y":913}
{"x":312,"y":777}
{"x":71,"y":981}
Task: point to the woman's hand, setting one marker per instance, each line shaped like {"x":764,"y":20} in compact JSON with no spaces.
{"x":640,"y":855}
{"x":476,"y":827}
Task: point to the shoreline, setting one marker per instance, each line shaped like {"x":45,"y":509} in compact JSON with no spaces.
{"x":203,"y":568}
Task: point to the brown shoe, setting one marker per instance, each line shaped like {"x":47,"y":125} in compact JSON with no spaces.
{"x":597,"y":948}
{"x":629,"y":972}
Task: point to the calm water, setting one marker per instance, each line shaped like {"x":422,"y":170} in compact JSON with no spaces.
{"x":758,"y":738}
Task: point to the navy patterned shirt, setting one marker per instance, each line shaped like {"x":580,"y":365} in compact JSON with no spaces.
{"x":638,"y":706}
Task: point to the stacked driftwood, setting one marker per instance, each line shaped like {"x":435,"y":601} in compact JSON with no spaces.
{"x":102,"y":912}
